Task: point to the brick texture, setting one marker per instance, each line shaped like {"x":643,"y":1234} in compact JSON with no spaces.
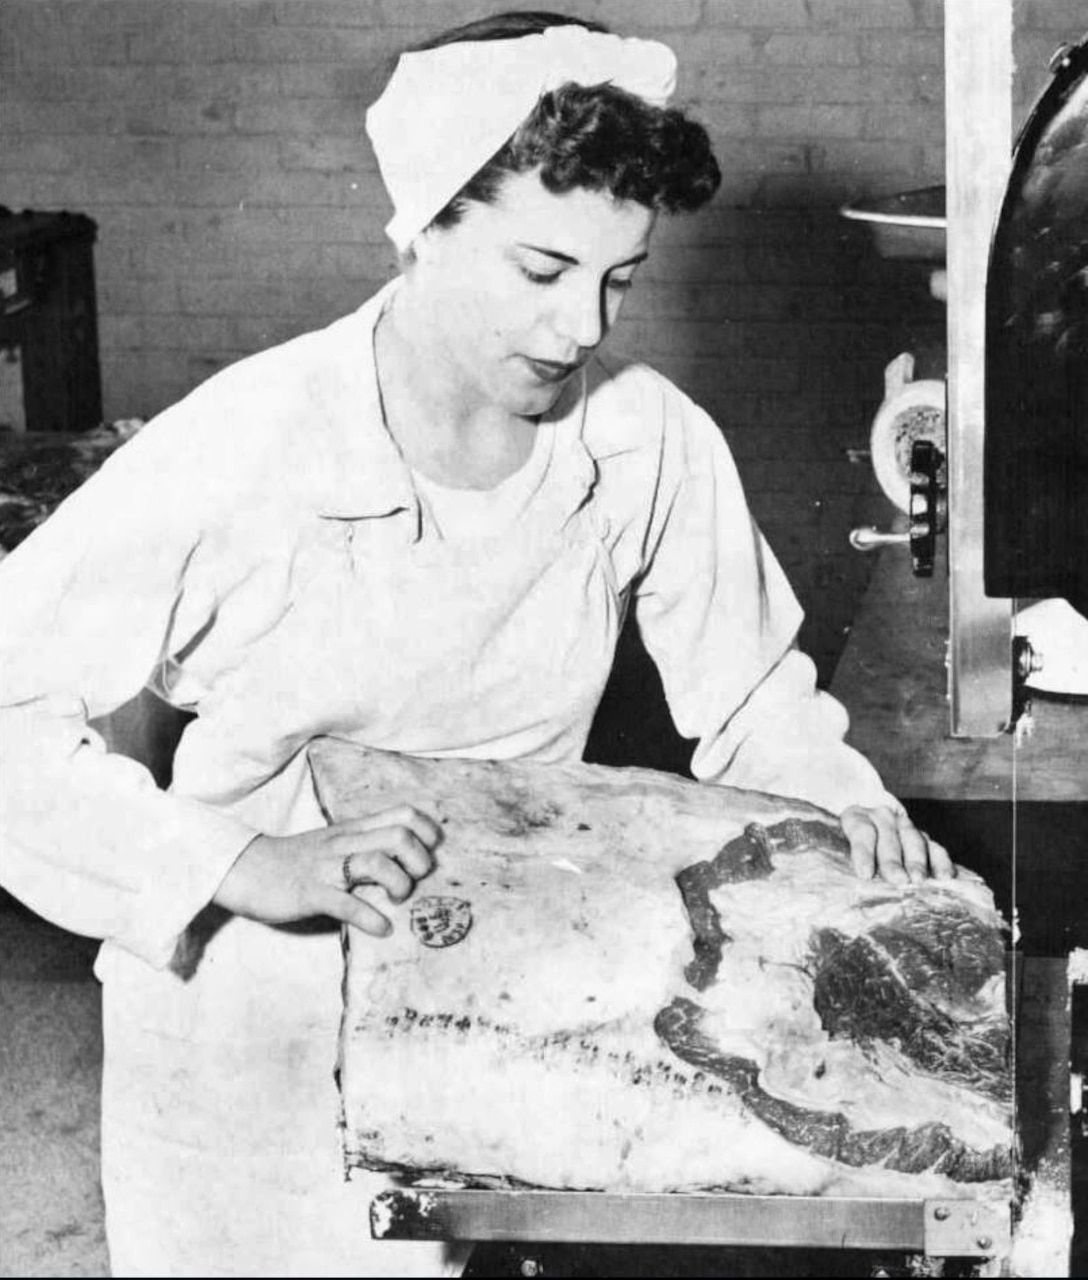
{"x":219,"y":145}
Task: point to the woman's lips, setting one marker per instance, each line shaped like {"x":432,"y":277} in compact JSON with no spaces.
{"x":549,"y":370}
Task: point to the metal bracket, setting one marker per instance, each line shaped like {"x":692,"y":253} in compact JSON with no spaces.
{"x":967,"y":1229}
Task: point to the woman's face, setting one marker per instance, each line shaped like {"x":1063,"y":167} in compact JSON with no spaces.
{"x":524,"y":290}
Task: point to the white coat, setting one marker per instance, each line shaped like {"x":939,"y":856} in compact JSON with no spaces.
{"x":259,"y":554}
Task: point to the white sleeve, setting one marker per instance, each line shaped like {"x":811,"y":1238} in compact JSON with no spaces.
{"x":87,"y":603}
{"x":720,"y":621}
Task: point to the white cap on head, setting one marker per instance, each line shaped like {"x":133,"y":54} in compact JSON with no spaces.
{"x":446,"y":111}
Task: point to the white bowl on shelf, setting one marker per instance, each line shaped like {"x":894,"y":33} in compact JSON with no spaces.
{"x":910,"y":224}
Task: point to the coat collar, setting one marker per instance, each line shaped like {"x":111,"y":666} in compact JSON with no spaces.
{"x":366,"y":476}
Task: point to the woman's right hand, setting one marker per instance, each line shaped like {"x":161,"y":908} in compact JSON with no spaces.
{"x":281,"y":879}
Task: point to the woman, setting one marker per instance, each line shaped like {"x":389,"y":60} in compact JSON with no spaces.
{"x":419,"y":527}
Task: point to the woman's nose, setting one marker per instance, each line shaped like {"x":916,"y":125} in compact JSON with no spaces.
{"x":583,"y":321}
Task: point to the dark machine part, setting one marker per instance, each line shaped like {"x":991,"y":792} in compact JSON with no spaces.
{"x":927,"y":511}
{"x":694,"y":1261}
{"x":1036,"y":442}
{"x":1025,"y":661}
{"x":928,"y":505}
{"x":48,"y":313}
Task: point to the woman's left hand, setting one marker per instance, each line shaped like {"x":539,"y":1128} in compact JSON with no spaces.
{"x":884,"y":842}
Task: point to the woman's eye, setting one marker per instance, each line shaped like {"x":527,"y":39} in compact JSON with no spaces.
{"x":541,"y":277}
{"x":620,"y":285}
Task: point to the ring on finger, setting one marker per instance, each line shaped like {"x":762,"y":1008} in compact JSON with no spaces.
{"x":345,"y":872}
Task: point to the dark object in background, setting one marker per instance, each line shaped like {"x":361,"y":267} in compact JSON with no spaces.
{"x":633,"y":724}
{"x":1039,"y":846}
{"x":38,"y":470}
{"x":1036,"y":442}
{"x":696,"y":1262}
{"x":48,"y":311}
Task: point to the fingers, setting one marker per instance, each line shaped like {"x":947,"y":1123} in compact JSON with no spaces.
{"x":940,"y":862}
{"x":280,"y":879}
{"x":885,"y":842}
{"x":376,"y":868}
{"x":423,"y":827}
{"x":862,"y":836}
{"x":914,"y":850}
{"x":349,"y":910}
{"x":922,"y":856}
{"x":889,"y":847}
{"x":392,"y":849}
{"x":392,"y":857}
{"x":397,"y":843}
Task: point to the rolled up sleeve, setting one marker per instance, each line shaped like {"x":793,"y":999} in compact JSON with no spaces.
{"x":720,"y":620}
{"x":86,"y":608}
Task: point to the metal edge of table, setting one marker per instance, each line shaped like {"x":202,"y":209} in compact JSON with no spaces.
{"x":955,"y":1227}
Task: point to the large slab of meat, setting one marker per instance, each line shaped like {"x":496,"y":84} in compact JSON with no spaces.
{"x":620,"y":980}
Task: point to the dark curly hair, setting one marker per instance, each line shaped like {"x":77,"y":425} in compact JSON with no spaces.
{"x":596,"y":137}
